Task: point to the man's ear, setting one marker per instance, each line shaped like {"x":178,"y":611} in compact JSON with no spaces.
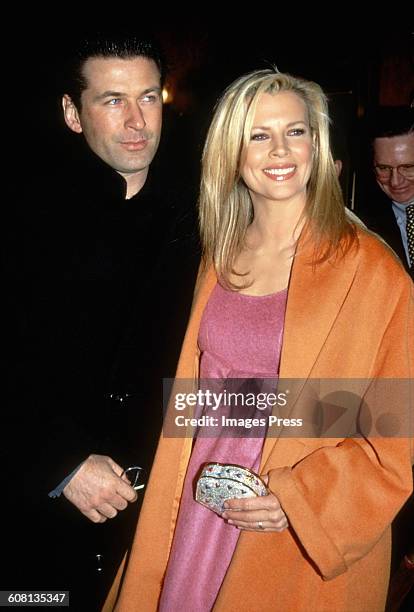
{"x":71,"y":115}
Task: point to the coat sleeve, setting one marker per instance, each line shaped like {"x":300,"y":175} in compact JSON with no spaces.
{"x":341,"y":498}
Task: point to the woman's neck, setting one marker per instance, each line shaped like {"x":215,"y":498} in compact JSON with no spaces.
{"x":275,"y":224}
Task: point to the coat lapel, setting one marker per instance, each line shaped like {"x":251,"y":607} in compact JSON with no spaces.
{"x":315,"y":297}
{"x":188,"y":364}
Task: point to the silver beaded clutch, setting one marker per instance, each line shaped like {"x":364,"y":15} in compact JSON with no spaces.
{"x":218,"y":482}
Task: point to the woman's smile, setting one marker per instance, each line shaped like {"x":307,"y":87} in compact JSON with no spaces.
{"x":280,"y":173}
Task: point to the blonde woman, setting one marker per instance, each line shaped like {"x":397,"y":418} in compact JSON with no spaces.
{"x":290,"y":287}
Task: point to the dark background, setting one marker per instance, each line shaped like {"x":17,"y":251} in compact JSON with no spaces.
{"x":359,"y":66}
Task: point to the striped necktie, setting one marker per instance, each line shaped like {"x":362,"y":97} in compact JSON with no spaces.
{"x":410,"y":233}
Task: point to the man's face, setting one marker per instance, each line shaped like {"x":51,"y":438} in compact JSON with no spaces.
{"x":121,"y":113}
{"x":392,"y":152}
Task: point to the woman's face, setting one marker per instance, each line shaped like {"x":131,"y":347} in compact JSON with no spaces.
{"x":277,"y":162}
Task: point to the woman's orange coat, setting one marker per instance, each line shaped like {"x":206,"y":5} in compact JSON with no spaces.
{"x":349,"y":319}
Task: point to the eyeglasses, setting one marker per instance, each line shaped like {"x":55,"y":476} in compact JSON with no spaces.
{"x":384,"y":172}
{"x":133,"y":474}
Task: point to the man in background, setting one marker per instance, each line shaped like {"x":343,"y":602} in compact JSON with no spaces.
{"x":391,"y":214}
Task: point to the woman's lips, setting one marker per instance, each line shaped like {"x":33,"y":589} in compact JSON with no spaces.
{"x":280,"y":173}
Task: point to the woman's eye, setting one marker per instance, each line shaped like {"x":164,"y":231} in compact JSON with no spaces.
{"x":297,"y":132}
{"x":258,"y":137}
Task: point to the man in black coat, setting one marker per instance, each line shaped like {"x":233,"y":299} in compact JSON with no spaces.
{"x":90,"y":271}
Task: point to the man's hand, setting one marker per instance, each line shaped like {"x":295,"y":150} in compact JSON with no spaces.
{"x":98,"y":490}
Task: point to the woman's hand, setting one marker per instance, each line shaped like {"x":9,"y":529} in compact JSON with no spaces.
{"x":256,"y":513}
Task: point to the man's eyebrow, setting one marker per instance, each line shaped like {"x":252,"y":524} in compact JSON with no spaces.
{"x":119,"y":94}
{"x":380,"y":163}
{"x":156,"y":89}
{"x":108,"y":94}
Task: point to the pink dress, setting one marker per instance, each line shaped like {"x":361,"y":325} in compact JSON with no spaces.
{"x":240,"y":338}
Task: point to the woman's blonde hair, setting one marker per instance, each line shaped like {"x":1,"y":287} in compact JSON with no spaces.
{"x":225,"y":206}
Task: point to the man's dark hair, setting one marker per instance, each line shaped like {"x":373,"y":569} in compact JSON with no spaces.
{"x":389,"y":121}
{"x":123,"y":47}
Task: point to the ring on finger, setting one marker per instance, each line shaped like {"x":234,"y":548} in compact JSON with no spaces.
{"x":260,"y":525}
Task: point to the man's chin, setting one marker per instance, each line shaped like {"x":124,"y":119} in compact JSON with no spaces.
{"x":133,"y":166}
{"x":402,"y":199}
{"x":405,"y":196}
